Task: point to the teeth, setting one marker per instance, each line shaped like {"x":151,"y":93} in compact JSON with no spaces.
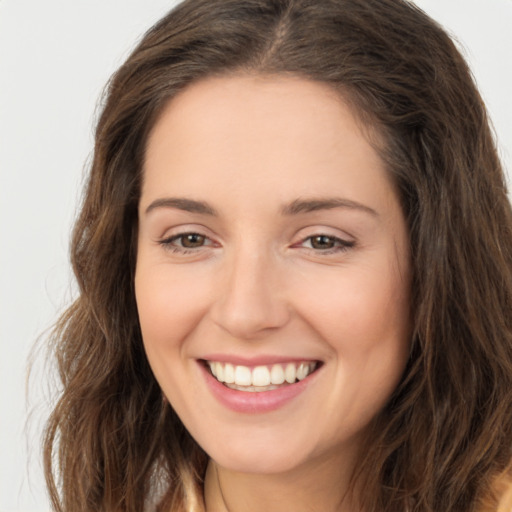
{"x":229,"y":373}
{"x":290,"y":373}
{"x":219,"y":372}
{"x":277,"y":374}
{"x":302,"y":371}
{"x":242,"y":376}
{"x":260,"y":378}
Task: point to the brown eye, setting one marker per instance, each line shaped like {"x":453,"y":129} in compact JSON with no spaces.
{"x":322,"y":242}
{"x":186,"y":243}
{"x":192,"y":240}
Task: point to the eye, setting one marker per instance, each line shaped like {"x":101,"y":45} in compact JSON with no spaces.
{"x":186,"y":242}
{"x":326,"y":244}
{"x":322,"y":242}
{"x":191,"y":240}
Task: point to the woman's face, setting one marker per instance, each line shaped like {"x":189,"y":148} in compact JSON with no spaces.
{"x":272,"y":251}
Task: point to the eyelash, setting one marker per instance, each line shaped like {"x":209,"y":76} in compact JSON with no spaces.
{"x":340,"y":244}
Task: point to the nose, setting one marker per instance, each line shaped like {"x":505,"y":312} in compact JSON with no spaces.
{"x":250,"y":300}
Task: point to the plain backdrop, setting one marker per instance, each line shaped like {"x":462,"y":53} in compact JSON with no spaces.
{"x":55,"y":57}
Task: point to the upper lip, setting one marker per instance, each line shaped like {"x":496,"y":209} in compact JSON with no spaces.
{"x":260,"y":360}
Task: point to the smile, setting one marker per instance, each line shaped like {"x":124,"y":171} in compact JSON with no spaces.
{"x":260,"y":378}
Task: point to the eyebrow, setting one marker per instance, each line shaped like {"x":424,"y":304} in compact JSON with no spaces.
{"x":187,"y":205}
{"x":312,"y":205}
{"x":296,"y":207}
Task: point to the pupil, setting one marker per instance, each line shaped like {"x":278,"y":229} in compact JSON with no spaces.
{"x":193,"y":240}
{"x":322,"y":242}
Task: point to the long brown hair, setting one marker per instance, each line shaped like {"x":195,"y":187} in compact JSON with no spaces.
{"x":112,"y":444}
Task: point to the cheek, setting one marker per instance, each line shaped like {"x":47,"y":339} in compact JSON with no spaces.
{"x":368,"y":332}
{"x":360,"y":309}
{"x":168,"y":311}
{"x":364,"y":318}
{"x":168,"y":302}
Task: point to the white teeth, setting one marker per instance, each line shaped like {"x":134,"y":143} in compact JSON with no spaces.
{"x":243,"y":376}
{"x":302,"y":371}
{"x":219,"y":372}
{"x":229,"y":373}
{"x":277,"y":374}
{"x":252,"y":389}
{"x":290,"y":373}
{"x":260,"y":378}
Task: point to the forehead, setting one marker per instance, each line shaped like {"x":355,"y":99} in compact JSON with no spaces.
{"x":238,"y":133}
{"x":284,"y":106}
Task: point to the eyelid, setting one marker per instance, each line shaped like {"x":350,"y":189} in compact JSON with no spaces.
{"x":169,"y":231}
{"x":324,"y":230}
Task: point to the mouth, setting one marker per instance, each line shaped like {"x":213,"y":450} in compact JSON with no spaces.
{"x":260,"y":378}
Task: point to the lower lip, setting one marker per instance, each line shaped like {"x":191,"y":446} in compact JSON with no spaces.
{"x":258,"y":401}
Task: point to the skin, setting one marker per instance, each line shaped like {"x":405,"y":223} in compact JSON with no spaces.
{"x":259,"y":284}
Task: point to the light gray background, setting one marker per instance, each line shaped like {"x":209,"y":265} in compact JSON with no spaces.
{"x":55,"y":57}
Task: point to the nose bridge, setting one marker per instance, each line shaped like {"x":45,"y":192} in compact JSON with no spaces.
{"x":250,"y":299}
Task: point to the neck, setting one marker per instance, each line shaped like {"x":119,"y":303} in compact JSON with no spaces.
{"x":302,"y":489}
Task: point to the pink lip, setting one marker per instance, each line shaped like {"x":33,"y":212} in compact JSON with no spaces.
{"x":257,"y":402}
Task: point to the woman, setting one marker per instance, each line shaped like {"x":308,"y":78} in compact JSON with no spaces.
{"x":294,"y":257}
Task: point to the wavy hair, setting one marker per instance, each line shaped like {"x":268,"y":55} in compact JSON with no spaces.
{"x":112,"y":443}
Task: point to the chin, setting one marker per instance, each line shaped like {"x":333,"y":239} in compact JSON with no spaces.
{"x":257,"y":457}
{"x":260,"y":464}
